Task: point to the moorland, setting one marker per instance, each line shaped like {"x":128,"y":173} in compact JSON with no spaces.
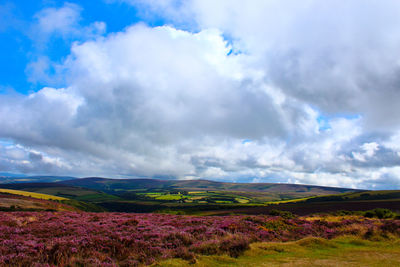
{"x":134,"y":222}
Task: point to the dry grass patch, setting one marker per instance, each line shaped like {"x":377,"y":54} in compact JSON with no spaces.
{"x":31,"y":194}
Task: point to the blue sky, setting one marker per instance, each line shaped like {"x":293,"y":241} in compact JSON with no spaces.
{"x":17,"y":33}
{"x":262,"y":91}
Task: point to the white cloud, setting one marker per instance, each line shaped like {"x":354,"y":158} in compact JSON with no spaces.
{"x":49,"y":26}
{"x":163,"y":101}
{"x":65,"y":22}
{"x":332,"y":54}
{"x":369,"y":151}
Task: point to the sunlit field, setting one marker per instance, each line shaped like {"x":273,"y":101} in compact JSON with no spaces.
{"x":32,"y":194}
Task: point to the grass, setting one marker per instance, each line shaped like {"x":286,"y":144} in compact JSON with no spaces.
{"x":311,"y":251}
{"x":365,"y":195}
{"x":18,"y":203}
{"x":373,"y":193}
{"x":97,"y":197}
{"x":31,"y":194}
{"x":169,"y":197}
{"x":242,"y":200}
{"x":225,"y":197}
{"x":67,"y":192}
{"x":289,"y":200}
{"x":63,"y":190}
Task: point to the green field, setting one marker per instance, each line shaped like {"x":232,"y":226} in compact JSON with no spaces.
{"x":223,"y":197}
{"x":343,"y":251}
{"x":199,"y":197}
{"x":196,"y":197}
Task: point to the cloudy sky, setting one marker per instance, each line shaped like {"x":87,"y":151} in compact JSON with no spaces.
{"x":248,"y":91}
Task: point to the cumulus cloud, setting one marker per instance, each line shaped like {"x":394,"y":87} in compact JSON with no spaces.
{"x":335,"y":55}
{"x":262,"y":91}
{"x":64,"y":22}
{"x":55,"y":28}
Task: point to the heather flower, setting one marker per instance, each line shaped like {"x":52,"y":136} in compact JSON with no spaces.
{"x":112,"y":239}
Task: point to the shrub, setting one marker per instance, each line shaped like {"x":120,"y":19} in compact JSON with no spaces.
{"x":391,"y":227}
{"x":380,"y":213}
{"x":234,"y":246}
{"x":206,"y":248}
{"x":344,"y":212}
{"x":185,"y":254}
{"x":283,"y":213}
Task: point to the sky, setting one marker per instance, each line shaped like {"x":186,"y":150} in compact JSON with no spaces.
{"x":244,"y":91}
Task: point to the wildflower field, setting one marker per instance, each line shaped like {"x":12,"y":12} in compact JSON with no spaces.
{"x":122,"y":239}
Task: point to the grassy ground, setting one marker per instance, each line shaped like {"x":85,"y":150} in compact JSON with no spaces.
{"x":80,"y":194}
{"x":343,"y":251}
{"x":35,"y":201}
{"x":199,"y":197}
{"x":18,"y":202}
{"x":224,"y":197}
{"x":31,"y":194}
{"x":68,"y":192}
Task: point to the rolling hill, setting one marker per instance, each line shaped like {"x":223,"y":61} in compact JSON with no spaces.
{"x":31,"y":194}
{"x":351,"y":201}
{"x":148,"y":195}
{"x":106,"y":184}
{"x":14,"y":200}
{"x":206,"y":197}
{"x":61,"y":190}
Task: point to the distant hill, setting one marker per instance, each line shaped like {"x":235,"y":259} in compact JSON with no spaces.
{"x":358,"y":196}
{"x":15,"y":178}
{"x":105,"y":184}
{"x":108,"y":184}
{"x":149,"y":195}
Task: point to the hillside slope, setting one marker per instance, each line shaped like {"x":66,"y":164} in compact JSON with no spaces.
{"x":13,"y":202}
{"x":61,"y":190}
{"x":105,"y":184}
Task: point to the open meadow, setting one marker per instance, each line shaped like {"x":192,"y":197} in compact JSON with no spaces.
{"x":122,"y":239}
